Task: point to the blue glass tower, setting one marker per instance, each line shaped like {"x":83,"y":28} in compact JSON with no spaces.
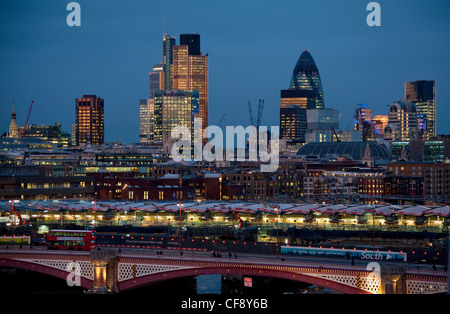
{"x":168,"y":43}
{"x":306,"y":77}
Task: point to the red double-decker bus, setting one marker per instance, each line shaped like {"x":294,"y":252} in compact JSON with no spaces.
{"x":71,"y":240}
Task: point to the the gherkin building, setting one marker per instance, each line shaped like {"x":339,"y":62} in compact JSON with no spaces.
{"x":306,"y":77}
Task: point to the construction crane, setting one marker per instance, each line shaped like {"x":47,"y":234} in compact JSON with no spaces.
{"x":221,"y":121}
{"x":14,"y":211}
{"x":259,"y":114}
{"x":25,"y":127}
{"x":250,"y":113}
{"x":260,"y":111}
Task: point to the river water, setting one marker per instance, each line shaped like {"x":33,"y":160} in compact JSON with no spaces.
{"x":209,"y":284}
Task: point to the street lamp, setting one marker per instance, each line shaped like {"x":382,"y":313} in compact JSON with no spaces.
{"x":95,"y":215}
{"x":180,"y":204}
{"x":277,"y":231}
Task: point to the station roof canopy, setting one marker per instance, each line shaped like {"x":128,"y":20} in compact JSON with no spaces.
{"x":413,"y":210}
{"x":330,"y":209}
{"x":384,"y":210}
{"x":440,"y":211}
{"x":356,"y":210}
{"x":226,"y":207}
{"x":302,"y":208}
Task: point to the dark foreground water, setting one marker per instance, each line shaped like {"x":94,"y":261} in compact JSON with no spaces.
{"x":209,"y":284}
{"x":18,"y":281}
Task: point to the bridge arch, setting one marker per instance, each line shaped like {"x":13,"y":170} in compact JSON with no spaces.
{"x":45,"y":269}
{"x":237,"y":270}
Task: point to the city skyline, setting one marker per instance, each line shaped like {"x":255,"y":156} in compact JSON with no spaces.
{"x":252,"y":54}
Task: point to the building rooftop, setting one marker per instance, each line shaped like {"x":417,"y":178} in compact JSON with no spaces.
{"x":353,"y":150}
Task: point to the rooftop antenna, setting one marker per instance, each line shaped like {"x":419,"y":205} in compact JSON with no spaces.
{"x":164,"y":32}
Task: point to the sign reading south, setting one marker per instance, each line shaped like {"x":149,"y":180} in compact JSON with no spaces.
{"x":350,"y":253}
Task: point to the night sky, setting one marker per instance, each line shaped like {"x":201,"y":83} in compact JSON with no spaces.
{"x":253,"y":46}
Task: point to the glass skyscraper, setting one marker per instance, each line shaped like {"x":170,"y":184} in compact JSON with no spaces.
{"x":423,"y":95}
{"x":168,"y":43}
{"x":190,"y":71}
{"x":179,"y":90}
{"x":305,"y":92}
{"x":306,"y":77}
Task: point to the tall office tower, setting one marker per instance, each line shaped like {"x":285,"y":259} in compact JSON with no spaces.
{"x":13,"y":127}
{"x":89,"y":120}
{"x":306,"y":77}
{"x":293,"y":123}
{"x":168,"y":44}
{"x":423,"y":95}
{"x":305,"y":91}
{"x":190,"y":71}
{"x":402,"y":124}
{"x":363,"y":122}
{"x":174,"y":108}
{"x":146,"y":120}
{"x":156,"y":79}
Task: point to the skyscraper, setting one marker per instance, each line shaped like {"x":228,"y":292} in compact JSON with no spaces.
{"x":89,"y":120}
{"x":183,"y":91}
{"x":168,"y":43}
{"x":190,"y":72}
{"x":423,"y":95}
{"x":305,"y":91}
{"x":306,"y":77}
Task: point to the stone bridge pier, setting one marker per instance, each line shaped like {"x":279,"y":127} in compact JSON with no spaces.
{"x":393,"y":280}
{"x":105,"y":263}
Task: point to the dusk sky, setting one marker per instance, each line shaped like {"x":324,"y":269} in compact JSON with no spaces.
{"x":253,"y":46}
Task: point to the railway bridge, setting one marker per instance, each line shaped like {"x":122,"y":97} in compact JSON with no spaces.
{"x":110,"y":271}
